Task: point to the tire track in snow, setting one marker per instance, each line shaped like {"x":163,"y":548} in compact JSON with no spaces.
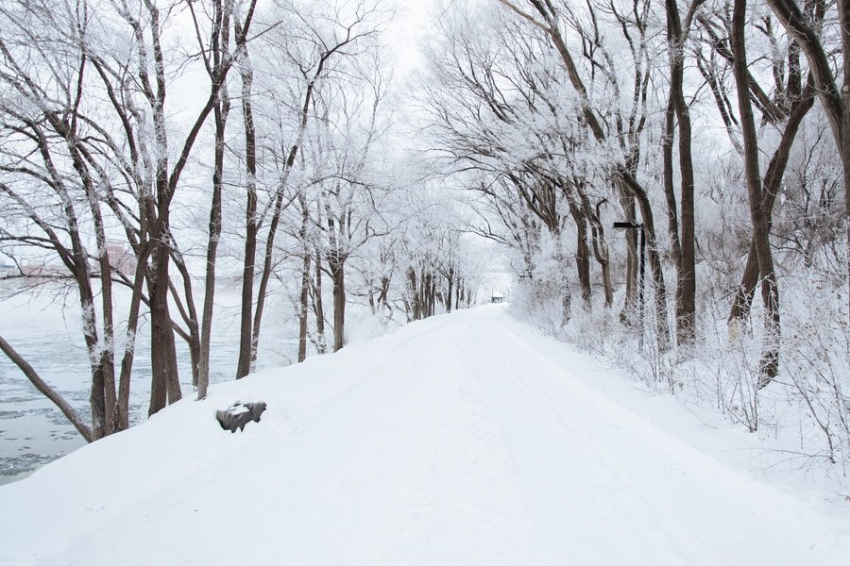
{"x":575,"y":438}
{"x":628,"y":492}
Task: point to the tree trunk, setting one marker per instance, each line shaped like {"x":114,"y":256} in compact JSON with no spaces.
{"x":304,"y":308}
{"x":305,"y":280}
{"x":662,"y":330}
{"x":268,"y":266}
{"x":221,"y":112}
{"x":769,"y":363}
{"x":449,"y":292}
{"x":97,"y":399}
{"x":582,"y":256}
{"x":686,"y":262}
{"x":247,"y":337}
{"x":836,"y":104}
{"x":220,"y":42}
{"x":319,"y":308}
{"x":383,"y":297}
{"x":130,"y":343}
{"x":165,"y":385}
{"x":742,"y":301}
{"x":600,"y":246}
{"x":47,"y":391}
{"x":669,"y":187}
{"x":413,"y":292}
{"x":187,"y":313}
{"x":338,"y":277}
{"x":740,"y":311}
{"x":627,"y":201}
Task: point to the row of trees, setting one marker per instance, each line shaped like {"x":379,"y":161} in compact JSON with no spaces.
{"x":144,"y":122}
{"x":719,"y":128}
{"x":562,"y":117}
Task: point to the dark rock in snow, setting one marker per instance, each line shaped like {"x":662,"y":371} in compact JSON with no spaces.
{"x":239,"y":414}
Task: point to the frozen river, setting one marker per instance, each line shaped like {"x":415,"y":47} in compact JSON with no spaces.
{"x":33,"y":431}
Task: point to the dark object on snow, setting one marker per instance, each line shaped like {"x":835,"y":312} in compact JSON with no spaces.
{"x":239,"y":414}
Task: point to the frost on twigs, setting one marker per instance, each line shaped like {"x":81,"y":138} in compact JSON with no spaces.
{"x":239,"y":414}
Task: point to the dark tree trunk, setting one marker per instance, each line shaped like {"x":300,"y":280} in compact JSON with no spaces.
{"x":769,"y":363}
{"x":413,"y":292}
{"x":669,"y":186}
{"x":582,"y":256}
{"x":742,"y":301}
{"x":835,"y":102}
{"x":600,"y":246}
{"x":304,"y":308}
{"x":684,"y":249}
{"x":627,"y":201}
{"x":740,"y":311}
{"x":247,"y":338}
{"x":662,"y":330}
{"x":189,"y":315}
{"x":268,"y":266}
{"x":130,"y":345}
{"x":220,"y":45}
{"x":450,"y":291}
{"x":383,"y":297}
{"x":221,"y":112}
{"x":305,"y":280}
{"x":337,"y":268}
{"x":319,"y":307}
{"x":97,"y":397}
{"x":243,"y":366}
{"x":165,"y":385}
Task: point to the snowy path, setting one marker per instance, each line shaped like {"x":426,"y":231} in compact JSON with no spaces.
{"x":454,"y":441}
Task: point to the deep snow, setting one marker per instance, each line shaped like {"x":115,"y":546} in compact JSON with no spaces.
{"x":463,"y":439}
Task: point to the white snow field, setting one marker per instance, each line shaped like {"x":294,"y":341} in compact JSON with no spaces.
{"x":456,"y":440}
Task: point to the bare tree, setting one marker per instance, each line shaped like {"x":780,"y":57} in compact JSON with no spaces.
{"x":219,"y":53}
{"x":805,"y":26}
{"x":100,"y":133}
{"x":546,"y":17}
{"x":684,"y":247}
{"x":313,"y":53}
{"x":769,"y":364}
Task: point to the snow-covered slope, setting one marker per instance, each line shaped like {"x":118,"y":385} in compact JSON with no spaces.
{"x":456,"y":441}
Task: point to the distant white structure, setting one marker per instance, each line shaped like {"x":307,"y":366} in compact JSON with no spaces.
{"x":495,"y":287}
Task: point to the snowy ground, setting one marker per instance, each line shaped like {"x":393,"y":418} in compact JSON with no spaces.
{"x":463,"y":439}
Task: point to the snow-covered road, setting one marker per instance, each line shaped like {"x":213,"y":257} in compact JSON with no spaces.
{"x":454,"y":441}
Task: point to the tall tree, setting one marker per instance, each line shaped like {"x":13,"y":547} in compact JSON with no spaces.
{"x":769,"y":363}
{"x":804,"y":26}
{"x":684,"y":247}
{"x":322,"y":39}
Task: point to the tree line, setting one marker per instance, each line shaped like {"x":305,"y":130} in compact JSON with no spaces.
{"x":556,"y":112}
{"x":199,"y":135}
{"x":715,"y":129}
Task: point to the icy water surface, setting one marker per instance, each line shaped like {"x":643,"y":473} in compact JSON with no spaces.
{"x":33,"y":431}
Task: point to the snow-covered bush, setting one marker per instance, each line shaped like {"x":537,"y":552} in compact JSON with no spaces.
{"x":816,"y":373}
{"x":543,"y":303}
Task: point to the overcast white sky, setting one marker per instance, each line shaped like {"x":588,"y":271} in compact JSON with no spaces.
{"x":413,"y":22}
